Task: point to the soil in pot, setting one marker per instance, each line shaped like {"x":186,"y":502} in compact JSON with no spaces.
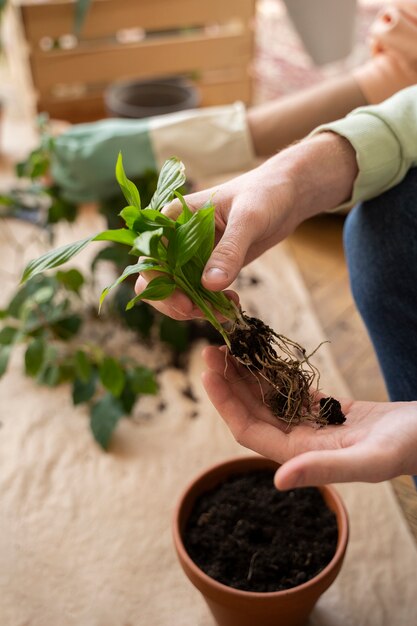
{"x":248,"y":535}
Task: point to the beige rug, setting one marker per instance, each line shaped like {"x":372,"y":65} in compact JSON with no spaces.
{"x":85,"y":536}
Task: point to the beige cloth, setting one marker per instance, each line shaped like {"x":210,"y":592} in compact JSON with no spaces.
{"x":85,"y":536}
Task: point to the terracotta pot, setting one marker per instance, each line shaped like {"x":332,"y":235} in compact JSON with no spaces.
{"x":233,"y":607}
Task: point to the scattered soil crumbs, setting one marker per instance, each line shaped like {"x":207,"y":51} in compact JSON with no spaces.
{"x":248,"y":535}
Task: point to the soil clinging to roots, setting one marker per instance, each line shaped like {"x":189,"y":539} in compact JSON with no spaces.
{"x":292,"y":380}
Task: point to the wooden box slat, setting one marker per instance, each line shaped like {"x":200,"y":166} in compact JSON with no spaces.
{"x":140,"y":60}
{"x":91,"y":107}
{"x":106,"y":17}
{"x":99,"y":59}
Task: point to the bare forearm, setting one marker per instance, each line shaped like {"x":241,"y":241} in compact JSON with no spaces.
{"x":320,"y":170}
{"x":277,"y":124}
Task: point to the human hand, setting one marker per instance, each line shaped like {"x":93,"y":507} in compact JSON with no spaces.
{"x":260,"y":208}
{"x":377,"y":442}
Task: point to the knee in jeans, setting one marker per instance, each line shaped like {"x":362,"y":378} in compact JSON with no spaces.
{"x":364,"y":249}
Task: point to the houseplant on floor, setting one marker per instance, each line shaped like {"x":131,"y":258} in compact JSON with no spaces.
{"x":249,"y":541}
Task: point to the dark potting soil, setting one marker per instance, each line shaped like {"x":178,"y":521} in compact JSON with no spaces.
{"x":248,"y":535}
{"x":331,"y":411}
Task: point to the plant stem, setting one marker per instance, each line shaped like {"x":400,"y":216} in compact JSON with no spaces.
{"x":201,"y":303}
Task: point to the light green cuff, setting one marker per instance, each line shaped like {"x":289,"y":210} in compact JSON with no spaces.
{"x":378,"y":154}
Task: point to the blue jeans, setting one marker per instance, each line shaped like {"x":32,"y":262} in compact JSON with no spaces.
{"x":380,"y":240}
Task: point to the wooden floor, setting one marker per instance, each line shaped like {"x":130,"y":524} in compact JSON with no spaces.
{"x":318,"y":250}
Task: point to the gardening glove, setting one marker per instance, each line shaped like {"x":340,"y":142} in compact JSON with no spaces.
{"x":209,"y":141}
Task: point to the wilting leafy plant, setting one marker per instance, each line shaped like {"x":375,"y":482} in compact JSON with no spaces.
{"x":178,"y":251}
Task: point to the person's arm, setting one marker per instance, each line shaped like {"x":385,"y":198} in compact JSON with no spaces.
{"x":279,"y":123}
{"x":384,"y":138}
{"x":352,"y":159}
{"x":258,"y":209}
{"x":393,"y":67}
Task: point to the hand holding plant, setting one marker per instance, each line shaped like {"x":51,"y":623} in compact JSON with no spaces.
{"x":178,"y":251}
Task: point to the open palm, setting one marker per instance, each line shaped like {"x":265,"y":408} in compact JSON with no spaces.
{"x":377,"y":441}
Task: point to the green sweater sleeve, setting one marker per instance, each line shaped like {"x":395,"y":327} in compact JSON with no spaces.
{"x":384,"y":137}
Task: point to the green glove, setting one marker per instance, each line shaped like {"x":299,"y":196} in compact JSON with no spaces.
{"x":84,"y":157}
{"x":210,"y":141}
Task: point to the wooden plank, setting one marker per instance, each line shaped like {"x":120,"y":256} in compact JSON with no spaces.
{"x":226,"y":93}
{"x":53,"y":19}
{"x":156,"y":58}
{"x":74,"y":110}
{"x":91,"y":107}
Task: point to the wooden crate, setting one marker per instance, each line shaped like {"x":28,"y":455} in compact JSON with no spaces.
{"x":211,"y":42}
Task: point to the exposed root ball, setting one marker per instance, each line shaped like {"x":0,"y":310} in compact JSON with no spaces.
{"x":285,"y":366}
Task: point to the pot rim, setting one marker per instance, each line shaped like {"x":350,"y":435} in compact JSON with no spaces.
{"x":180,"y":85}
{"x":343,"y":533}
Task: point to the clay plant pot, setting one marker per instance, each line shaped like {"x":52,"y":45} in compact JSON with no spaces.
{"x":145,"y":98}
{"x":234,"y":607}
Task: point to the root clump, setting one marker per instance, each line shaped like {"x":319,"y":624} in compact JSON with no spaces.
{"x":292,"y":380}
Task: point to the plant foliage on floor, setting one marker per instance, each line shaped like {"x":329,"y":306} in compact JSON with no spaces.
{"x":46,"y":316}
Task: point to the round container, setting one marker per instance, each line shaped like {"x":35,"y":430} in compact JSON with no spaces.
{"x":233,"y":607}
{"x":138,"y":99}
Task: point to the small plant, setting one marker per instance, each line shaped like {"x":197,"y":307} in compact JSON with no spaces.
{"x":179,"y":250}
{"x":47,"y":315}
{"x":38,"y":199}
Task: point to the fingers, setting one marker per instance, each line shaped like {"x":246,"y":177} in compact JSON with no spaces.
{"x":228,"y":257}
{"x":177,"y":306}
{"x":355,"y":463}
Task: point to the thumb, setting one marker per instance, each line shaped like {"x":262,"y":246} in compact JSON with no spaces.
{"x":329,"y":466}
{"x":228,"y":257}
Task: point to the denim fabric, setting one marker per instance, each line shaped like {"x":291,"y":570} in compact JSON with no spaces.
{"x":380,"y":240}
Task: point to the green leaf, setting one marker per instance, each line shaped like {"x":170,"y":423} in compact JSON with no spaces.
{"x":142,"y":266}
{"x":174,"y":333}
{"x":127,"y":399}
{"x":193,"y":238}
{"x":140,"y":319}
{"x":18,"y":302}
{"x":128,"y":188}
{"x":82,"y":366}
{"x":34,"y":357}
{"x":142,"y":380}
{"x":171,"y":177}
{"x":80,"y":13}
{"x":71,"y":279}
{"x":104,"y":417}
{"x":147,"y":243}
{"x":118,"y":235}
{"x":67,"y":327}
{"x":50,"y":376}
{"x":117,"y":254}
{"x":130,"y":214}
{"x":8,"y":335}
{"x":4,"y":358}
{"x":43,"y":295}
{"x":54,"y":258}
{"x":61,"y":255}
{"x":159,"y":288}
{"x":112,"y":376}
{"x":83,"y":390}
{"x":186,"y":213}
{"x":149,"y":219}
